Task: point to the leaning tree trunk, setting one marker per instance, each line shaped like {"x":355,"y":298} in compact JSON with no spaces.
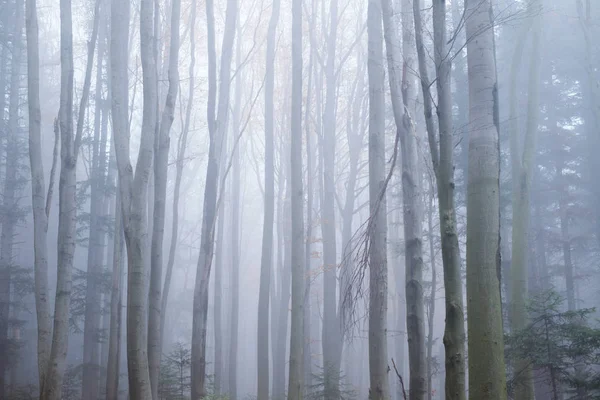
{"x":40,"y":200}
{"x":377,"y":230}
{"x":296,"y":374}
{"x":487,"y":376}
{"x":217,"y":132}
{"x":161,"y":166}
{"x":133,"y":185}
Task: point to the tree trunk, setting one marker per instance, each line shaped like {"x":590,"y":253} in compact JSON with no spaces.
{"x":181,"y":147}
{"x":218,"y":296}
{"x":40,"y":200}
{"x":91,"y":329}
{"x":378,"y":362}
{"x":161,"y":165}
{"x":114,"y":338}
{"x":411,"y":197}
{"x":431,"y":313}
{"x":10,"y":198}
{"x":296,"y":375}
{"x":267,"y":240}
{"x":52,"y":389}
{"x":235,"y":226}
{"x":487,"y":377}
{"x":523,"y":164}
{"x":330,"y":335}
{"x":133,"y":186}
{"x":217,"y":132}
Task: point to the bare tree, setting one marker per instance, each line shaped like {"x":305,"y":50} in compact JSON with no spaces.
{"x":296,"y":374}
{"x":487,"y":376}
{"x":268,"y":222}
{"x":217,"y":131}
{"x":161,"y":164}
{"x":378,"y":367}
{"x":133,"y":184}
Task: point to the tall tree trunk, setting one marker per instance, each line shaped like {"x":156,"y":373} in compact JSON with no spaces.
{"x":10,"y":200}
{"x":217,"y":132}
{"x":442,"y":160}
{"x":116,"y":300}
{"x":161,"y":165}
{"x":268,"y":221}
{"x":296,"y":375}
{"x":133,"y":185}
{"x":218,"y":296}
{"x":523,"y":164}
{"x":91,"y":367}
{"x":330,"y":335}
{"x":181,"y":147}
{"x":52,"y":389}
{"x":403,"y":91}
{"x":431,"y":313}
{"x":487,"y":376}
{"x":378,"y":362}
{"x":235,"y":226}
{"x":40,"y":200}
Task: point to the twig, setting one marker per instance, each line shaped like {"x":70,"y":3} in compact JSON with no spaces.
{"x":400,"y":378}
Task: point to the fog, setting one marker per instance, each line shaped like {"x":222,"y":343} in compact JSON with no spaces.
{"x":299,"y":199}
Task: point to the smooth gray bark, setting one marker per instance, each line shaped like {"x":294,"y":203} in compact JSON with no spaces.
{"x":268,"y":216}
{"x":133,"y":185}
{"x":296,"y":374}
{"x":161,"y":164}
{"x":487,"y":376}
{"x":378,"y":362}
{"x":217,"y":131}
{"x":40,"y":200}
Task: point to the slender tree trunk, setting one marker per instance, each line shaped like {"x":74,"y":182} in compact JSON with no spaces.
{"x":296,"y":375}
{"x":487,"y":376}
{"x":523,"y":163}
{"x":235,"y":226}
{"x":161,"y":165}
{"x":330,"y":335}
{"x":40,"y":200}
{"x":217,"y":132}
{"x":91,"y":367}
{"x":114,"y":338}
{"x":218,"y":296}
{"x":378,"y":362}
{"x":267,"y":240}
{"x":10,"y":200}
{"x":133,"y":186}
{"x":181,"y":147}
{"x":431,"y":313}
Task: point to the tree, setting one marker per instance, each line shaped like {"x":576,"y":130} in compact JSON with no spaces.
{"x":161,"y":165}
{"x":487,"y":377}
{"x":217,"y":131}
{"x":443,"y":164}
{"x":523,"y":164}
{"x":133,"y":184}
{"x":379,"y":389}
{"x":40,"y":199}
{"x":296,"y":374}
{"x":262,"y":344}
